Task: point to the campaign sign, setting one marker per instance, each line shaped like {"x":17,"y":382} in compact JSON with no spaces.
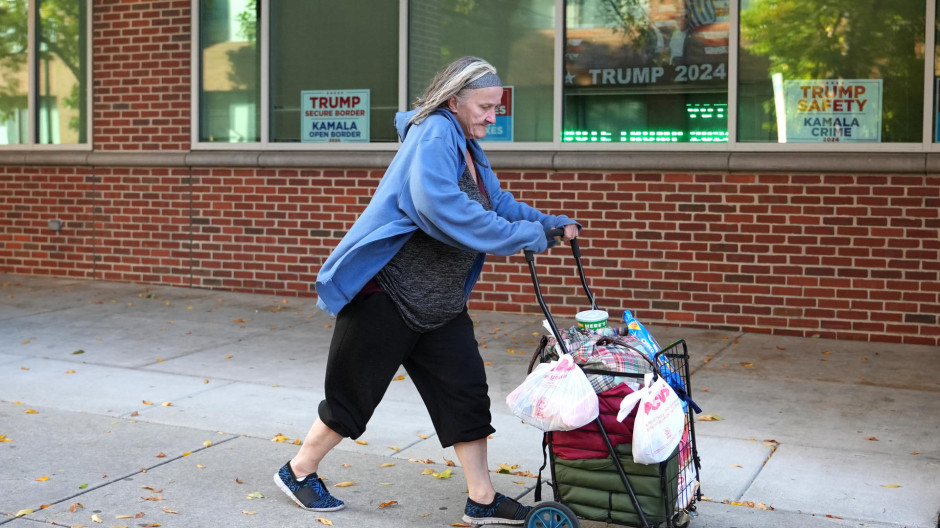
{"x":334,"y":116}
{"x":502,"y":129}
{"x":833,"y":111}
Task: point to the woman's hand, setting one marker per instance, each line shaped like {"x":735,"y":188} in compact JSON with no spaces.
{"x":571,"y":231}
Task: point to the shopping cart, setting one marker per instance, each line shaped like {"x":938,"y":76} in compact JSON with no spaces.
{"x":610,"y":487}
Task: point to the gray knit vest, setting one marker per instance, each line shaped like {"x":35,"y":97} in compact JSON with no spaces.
{"x":426,"y":278}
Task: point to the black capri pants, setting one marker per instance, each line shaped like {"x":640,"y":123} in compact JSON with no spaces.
{"x":371,"y":340}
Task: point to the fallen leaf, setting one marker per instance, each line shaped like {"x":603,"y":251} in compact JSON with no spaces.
{"x":781,"y":348}
{"x":322,"y":520}
{"x":152,"y":525}
{"x":832,"y":516}
{"x":26,"y":511}
{"x":279,"y":438}
{"x":161,"y":454}
{"x":207,"y":443}
{"x":398,"y":378}
{"x":459,"y":524}
{"x":135,"y":413}
{"x":710,"y":418}
{"x":238,"y":481}
{"x":239,"y":320}
{"x":871,"y":439}
{"x":450,"y":463}
{"x":152,"y":489}
{"x":344,"y":484}
{"x":42,"y":479}
{"x":387,"y":464}
{"x":147,"y":402}
{"x":70,"y":372}
{"x":443,"y":474}
{"x":394,"y":448}
{"x":75,"y":506}
{"x":254,"y":495}
{"x":200,"y":466}
{"x":387,"y":504}
{"x":166,"y":404}
{"x":249,"y":512}
{"x":427,"y":471}
{"x":154,"y":499}
{"x":78,"y":352}
{"x":123,"y":517}
{"x":890,"y":486}
{"x":3,"y":438}
{"x":96,"y":518}
{"x":745,"y":364}
{"x":31,"y":411}
{"x":167,"y":510}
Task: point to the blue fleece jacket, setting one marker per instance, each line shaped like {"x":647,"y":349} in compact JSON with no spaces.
{"x":419,"y":191}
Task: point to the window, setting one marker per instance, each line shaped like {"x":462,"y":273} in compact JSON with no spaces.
{"x":814,"y":71}
{"x":301,"y":73}
{"x":55,"y":49}
{"x":646,"y":72}
{"x":334,"y":71}
{"x":229,"y":80}
{"x":515,"y":36}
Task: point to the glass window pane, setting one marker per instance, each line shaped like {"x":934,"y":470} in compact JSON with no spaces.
{"x":14,"y":74}
{"x":515,"y":36}
{"x":338,"y":51}
{"x":831,"y":71}
{"x":229,"y":83}
{"x":646,"y":71}
{"x":936,"y":79}
{"x":62,"y":67}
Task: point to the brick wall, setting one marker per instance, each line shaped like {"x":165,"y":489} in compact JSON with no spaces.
{"x":840,"y":256}
{"x":141,"y":71}
{"x":852,"y":256}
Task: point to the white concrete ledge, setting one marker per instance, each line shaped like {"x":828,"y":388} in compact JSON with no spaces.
{"x":549,"y":160}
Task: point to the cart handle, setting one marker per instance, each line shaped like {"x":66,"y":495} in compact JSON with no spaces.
{"x":558,"y":232}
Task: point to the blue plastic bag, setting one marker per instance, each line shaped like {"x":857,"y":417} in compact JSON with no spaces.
{"x":651,"y":347}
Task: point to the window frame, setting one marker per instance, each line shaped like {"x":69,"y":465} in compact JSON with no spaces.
{"x":32,"y":87}
{"x":926,"y":145}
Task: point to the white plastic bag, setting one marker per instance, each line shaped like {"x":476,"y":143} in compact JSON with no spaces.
{"x":555,"y":396}
{"x":659,"y":420}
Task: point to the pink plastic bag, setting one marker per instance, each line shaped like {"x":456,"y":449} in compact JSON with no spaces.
{"x":555,"y":396}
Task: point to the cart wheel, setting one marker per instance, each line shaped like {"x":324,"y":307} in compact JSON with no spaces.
{"x":551,"y":515}
{"x":682,"y":520}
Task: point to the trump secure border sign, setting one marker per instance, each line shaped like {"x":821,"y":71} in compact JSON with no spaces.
{"x":334,"y":116}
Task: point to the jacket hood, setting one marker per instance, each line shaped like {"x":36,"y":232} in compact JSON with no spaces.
{"x":403,"y":121}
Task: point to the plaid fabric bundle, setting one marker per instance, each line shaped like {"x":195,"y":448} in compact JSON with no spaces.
{"x":624,"y":355}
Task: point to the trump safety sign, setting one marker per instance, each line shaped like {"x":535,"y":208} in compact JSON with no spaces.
{"x":334,"y":116}
{"x":833,"y":111}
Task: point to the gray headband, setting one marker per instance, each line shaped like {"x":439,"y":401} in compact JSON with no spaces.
{"x":486,"y":81}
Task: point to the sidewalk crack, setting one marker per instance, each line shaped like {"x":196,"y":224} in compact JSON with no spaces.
{"x":773,"y":445}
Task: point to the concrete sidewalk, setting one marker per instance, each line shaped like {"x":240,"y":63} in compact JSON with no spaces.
{"x":157,"y":406}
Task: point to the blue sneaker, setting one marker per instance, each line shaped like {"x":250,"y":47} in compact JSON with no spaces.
{"x":309,"y":493}
{"x":502,"y":510}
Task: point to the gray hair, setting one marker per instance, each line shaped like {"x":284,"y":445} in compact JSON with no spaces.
{"x":457,"y":78}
